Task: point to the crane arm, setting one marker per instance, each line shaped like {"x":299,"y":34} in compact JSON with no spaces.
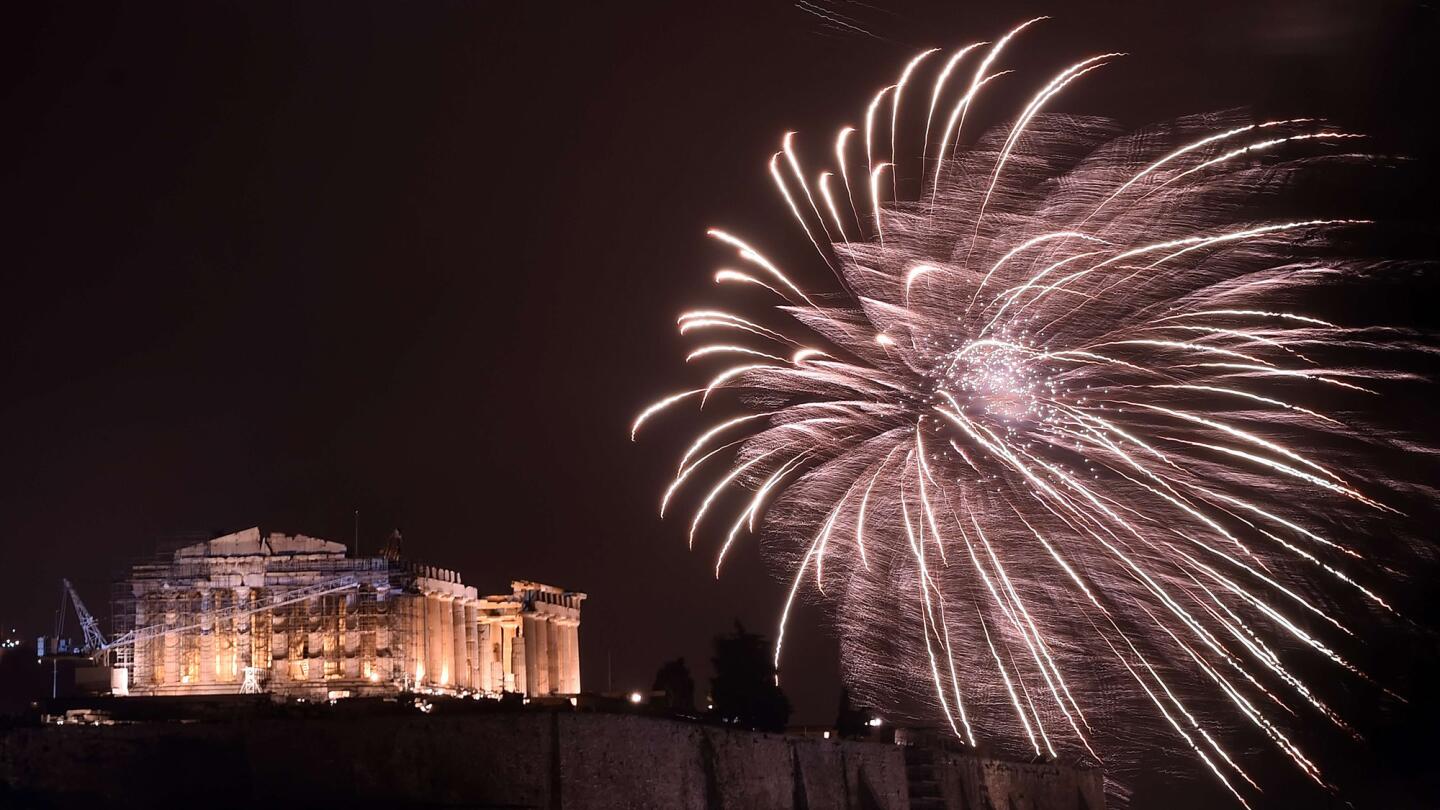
{"x":94,"y":639}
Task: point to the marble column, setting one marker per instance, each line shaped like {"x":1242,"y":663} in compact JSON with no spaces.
{"x":505,"y":658}
{"x":573,"y":630}
{"x":559,"y":654}
{"x":350,"y":641}
{"x":419,"y":653}
{"x":460,"y":661}
{"x":511,"y":658}
{"x":224,"y":633}
{"x":472,"y":645}
{"x":385,"y":617}
{"x":279,"y":645}
{"x":446,"y":621}
{"x":435,"y":667}
{"x":243,"y":644}
{"x":171,"y":645}
{"x":315,"y":633}
{"x":143,"y":673}
{"x":206,"y":631}
{"x":484,"y":645}
{"x":554,"y":650}
{"x":518,"y":660}
{"x":537,"y":676}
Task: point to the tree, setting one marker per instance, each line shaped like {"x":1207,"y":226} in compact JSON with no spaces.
{"x":745,"y":689}
{"x":673,"y":679}
{"x":850,"y":722}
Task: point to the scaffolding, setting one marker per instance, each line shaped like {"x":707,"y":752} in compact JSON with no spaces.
{"x":183,"y":621}
{"x":296,"y":617}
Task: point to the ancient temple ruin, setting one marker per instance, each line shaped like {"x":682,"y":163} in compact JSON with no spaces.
{"x":296,"y":617}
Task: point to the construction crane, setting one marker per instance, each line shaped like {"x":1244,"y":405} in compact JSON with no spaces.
{"x":94,"y":639}
{"x":54,"y":647}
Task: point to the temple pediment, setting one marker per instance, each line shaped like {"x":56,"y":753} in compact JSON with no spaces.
{"x":250,"y":542}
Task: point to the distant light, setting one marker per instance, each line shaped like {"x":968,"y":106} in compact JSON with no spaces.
{"x":875,"y":722}
{"x":574,"y":701}
{"x":374,"y":676}
{"x":636,"y":697}
{"x":827,"y":735}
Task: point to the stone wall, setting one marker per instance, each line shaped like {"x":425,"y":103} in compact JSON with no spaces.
{"x":531,"y":759}
{"x":988,"y":784}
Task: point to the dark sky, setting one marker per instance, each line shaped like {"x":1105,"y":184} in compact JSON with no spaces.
{"x":271,"y":264}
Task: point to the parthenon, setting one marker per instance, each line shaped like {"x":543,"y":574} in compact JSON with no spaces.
{"x":296,"y":617}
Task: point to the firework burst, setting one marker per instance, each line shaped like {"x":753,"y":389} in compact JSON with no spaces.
{"x":1058,"y":448}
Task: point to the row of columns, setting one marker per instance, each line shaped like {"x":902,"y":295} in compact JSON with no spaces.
{"x":552,"y":654}
{"x":293,"y":643}
{"x":433,"y":639}
{"x":463,"y":644}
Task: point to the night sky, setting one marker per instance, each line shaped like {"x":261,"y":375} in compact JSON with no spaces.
{"x":272,"y":264}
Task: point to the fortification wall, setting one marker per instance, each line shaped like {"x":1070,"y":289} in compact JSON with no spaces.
{"x":542,"y":760}
{"x":973,"y":782}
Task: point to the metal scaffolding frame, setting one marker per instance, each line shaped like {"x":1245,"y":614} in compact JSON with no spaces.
{"x":325,"y":622}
